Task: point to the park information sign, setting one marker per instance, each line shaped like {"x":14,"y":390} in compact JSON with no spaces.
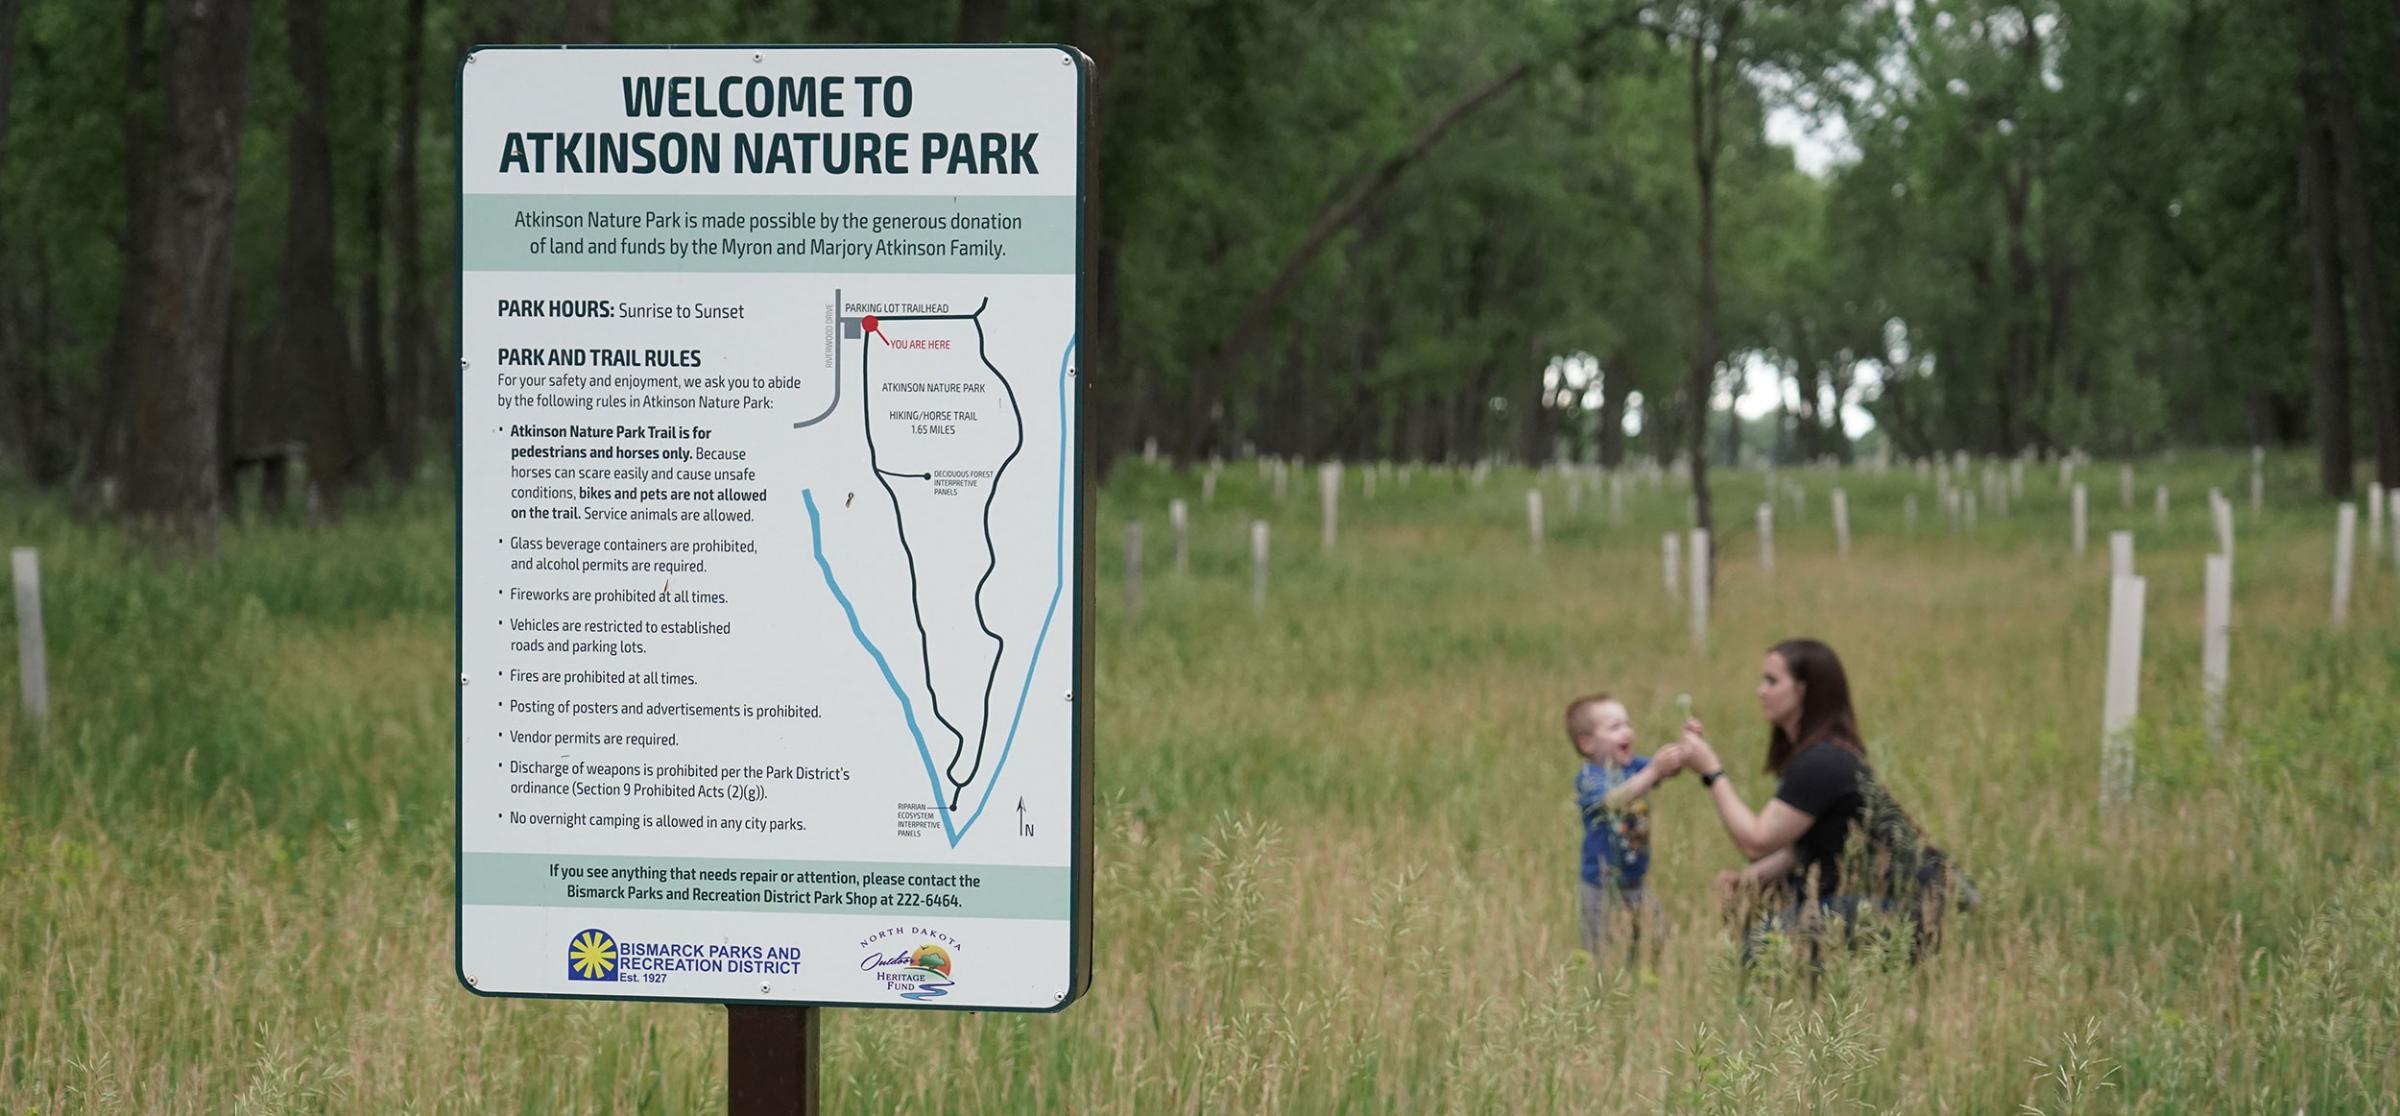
{"x":772,"y":525}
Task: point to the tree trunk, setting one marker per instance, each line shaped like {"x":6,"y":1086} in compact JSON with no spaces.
{"x":373,"y":366}
{"x":2323,"y":63}
{"x":2330,"y":327}
{"x":180,"y":352}
{"x":103,"y":451}
{"x":314,"y":351}
{"x":412,"y":373}
{"x":11,"y":358}
{"x":1662,"y":424}
{"x":1118,"y":405}
{"x":2257,"y":402}
{"x":29,"y":376}
{"x":1447,"y":435}
{"x":1533,"y":425}
{"x":1615,"y":380}
{"x":231,"y":436}
{"x":587,"y":21}
{"x":1807,"y":438}
{"x":1830,"y":392}
{"x":2018,"y":373}
{"x":1786,"y":429}
{"x":1116,"y":397}
{"x":1896,"y":416}
{"x":983,"y":21}
{"x":1707,"y":95}
{"x":1733,"y":418}
{"x":9,"y":10}
{"x":1482,"y":289}
{"x":2059,"y":278}
{"x":1374,"y":319}
{"x":49,"y":443}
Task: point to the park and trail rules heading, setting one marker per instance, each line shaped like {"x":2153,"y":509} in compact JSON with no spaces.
{"x":771,"y":525}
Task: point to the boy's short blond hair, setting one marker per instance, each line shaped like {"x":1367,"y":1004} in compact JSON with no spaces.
{"x":1576,"y":707}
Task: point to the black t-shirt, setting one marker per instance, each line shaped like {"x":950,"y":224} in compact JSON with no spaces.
{"x":1824,"y":782}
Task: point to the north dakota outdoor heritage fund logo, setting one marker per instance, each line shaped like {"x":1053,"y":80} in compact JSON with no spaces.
{"x":592,"y":955}
{"x":917,"y":971}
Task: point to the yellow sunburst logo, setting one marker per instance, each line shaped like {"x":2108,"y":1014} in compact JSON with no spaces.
{"x":592,"y":955}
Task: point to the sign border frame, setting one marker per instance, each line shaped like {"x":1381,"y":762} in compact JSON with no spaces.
{"x":1079,"y":859}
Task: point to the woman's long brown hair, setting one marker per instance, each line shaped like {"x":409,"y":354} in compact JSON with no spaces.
{"x":1825,"y":712}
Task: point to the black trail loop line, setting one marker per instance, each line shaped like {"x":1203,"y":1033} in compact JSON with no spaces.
{"x":958,"y":783}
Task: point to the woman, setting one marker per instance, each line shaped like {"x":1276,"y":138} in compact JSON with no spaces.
{"x":1800,"y":846}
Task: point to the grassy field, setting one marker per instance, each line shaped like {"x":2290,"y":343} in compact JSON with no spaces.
{"x":1335,"y":844}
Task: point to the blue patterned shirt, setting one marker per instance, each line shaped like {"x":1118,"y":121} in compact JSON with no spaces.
{"x":1616,"y":843}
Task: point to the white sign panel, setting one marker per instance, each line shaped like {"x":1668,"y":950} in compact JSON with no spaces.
{"x":771,"y":521}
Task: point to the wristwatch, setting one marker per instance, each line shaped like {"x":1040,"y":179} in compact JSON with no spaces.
{"x":1709,"y":778}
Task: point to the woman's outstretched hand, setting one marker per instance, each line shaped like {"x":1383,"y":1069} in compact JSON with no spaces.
{"x":1692,"y":750}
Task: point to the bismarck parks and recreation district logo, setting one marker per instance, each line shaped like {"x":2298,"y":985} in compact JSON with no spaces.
{"x":595,"y":954}
{"x":592,"y":955}
{"x":903,"y":960}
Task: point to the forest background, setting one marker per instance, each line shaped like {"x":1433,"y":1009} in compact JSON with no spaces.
{"x":1394,"y":229}
{"x":1333,"y":840}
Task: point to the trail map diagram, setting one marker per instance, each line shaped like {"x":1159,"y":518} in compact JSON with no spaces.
{"x":943,"y":433}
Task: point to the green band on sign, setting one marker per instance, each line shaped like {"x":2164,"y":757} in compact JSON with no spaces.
{"x":786,"y":886}
{"x":977,"y":235}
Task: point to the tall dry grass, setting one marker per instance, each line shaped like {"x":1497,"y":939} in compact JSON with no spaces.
{"x":1335,"y":846}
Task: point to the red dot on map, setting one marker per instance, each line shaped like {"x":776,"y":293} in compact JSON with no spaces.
{"x":869,"y":323}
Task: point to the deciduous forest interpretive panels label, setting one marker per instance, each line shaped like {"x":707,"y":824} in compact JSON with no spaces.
{"x":768,"y":524}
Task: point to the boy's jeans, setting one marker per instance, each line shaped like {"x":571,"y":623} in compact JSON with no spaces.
{"x":1612,"y":913}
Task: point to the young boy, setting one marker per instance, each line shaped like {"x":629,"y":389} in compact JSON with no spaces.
{"x":1616,"y":822}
